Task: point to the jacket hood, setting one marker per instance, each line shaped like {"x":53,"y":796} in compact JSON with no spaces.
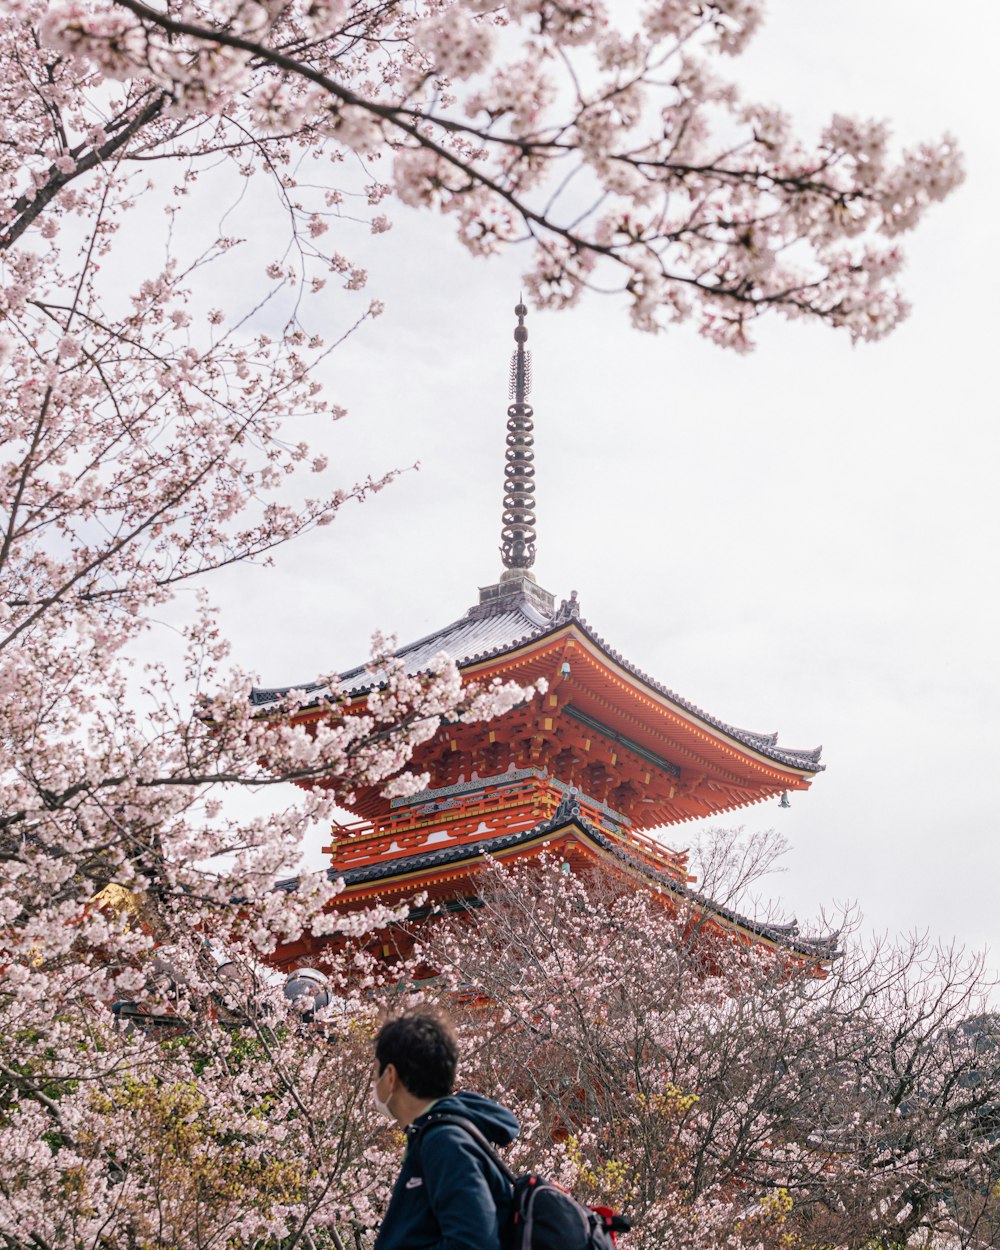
{"x":496,"y":1123}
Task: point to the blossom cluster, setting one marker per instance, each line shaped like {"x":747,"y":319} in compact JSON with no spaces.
{"x":642,"y":168}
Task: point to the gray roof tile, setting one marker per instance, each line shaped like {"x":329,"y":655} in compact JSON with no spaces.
{"x":483,"y":634}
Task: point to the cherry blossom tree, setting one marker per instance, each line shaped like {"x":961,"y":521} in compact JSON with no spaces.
{"x":143,"y":450}
{"x":727,"y":1095}
{"x":158,"y":408}
{"x":620,"y":152}
{"x":730,"y":1096}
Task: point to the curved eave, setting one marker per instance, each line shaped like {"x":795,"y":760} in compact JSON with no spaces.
{"x":533,"y":634}
{"x":741,"y":743}
{"x":436,"y":868}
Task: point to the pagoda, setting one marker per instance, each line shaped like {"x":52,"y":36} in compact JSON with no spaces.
{"x":588,"y":770}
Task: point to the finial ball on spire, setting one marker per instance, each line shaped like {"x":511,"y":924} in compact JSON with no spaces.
{"x":520,"y":330}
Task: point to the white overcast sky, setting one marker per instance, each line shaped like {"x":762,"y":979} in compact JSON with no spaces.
{"x":803,"y":540}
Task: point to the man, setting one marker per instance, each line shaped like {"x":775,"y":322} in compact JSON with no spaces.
{"x":449,"y":1195}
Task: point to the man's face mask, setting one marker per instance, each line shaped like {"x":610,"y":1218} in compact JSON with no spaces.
{"x":381,"y":1107}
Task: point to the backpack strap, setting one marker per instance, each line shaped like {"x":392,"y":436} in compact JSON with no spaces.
{"x":442,"y":1117}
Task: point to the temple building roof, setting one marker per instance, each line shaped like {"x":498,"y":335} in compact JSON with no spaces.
{"x":490,"y":630}
{"x":570,"y":820}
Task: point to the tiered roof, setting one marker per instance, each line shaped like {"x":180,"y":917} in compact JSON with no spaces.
{"x":569,"y":823}
{"x":481,"y":636}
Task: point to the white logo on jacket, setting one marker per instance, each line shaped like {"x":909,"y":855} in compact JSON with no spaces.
{"x":414,"y":1182}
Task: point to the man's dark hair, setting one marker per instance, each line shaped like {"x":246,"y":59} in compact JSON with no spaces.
{"x":423,"y":1048}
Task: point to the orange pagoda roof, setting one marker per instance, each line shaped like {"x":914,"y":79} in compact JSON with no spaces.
{"x":603,"y":726}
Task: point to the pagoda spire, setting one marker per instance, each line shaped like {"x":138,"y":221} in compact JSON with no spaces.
{"x":517,"y":537}
{"x":517,"y":587}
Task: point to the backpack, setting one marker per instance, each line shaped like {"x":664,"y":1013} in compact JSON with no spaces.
{"x":544,"y":1216}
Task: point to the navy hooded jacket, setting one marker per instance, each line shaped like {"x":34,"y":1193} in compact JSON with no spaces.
{"x":453,"y":1197}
